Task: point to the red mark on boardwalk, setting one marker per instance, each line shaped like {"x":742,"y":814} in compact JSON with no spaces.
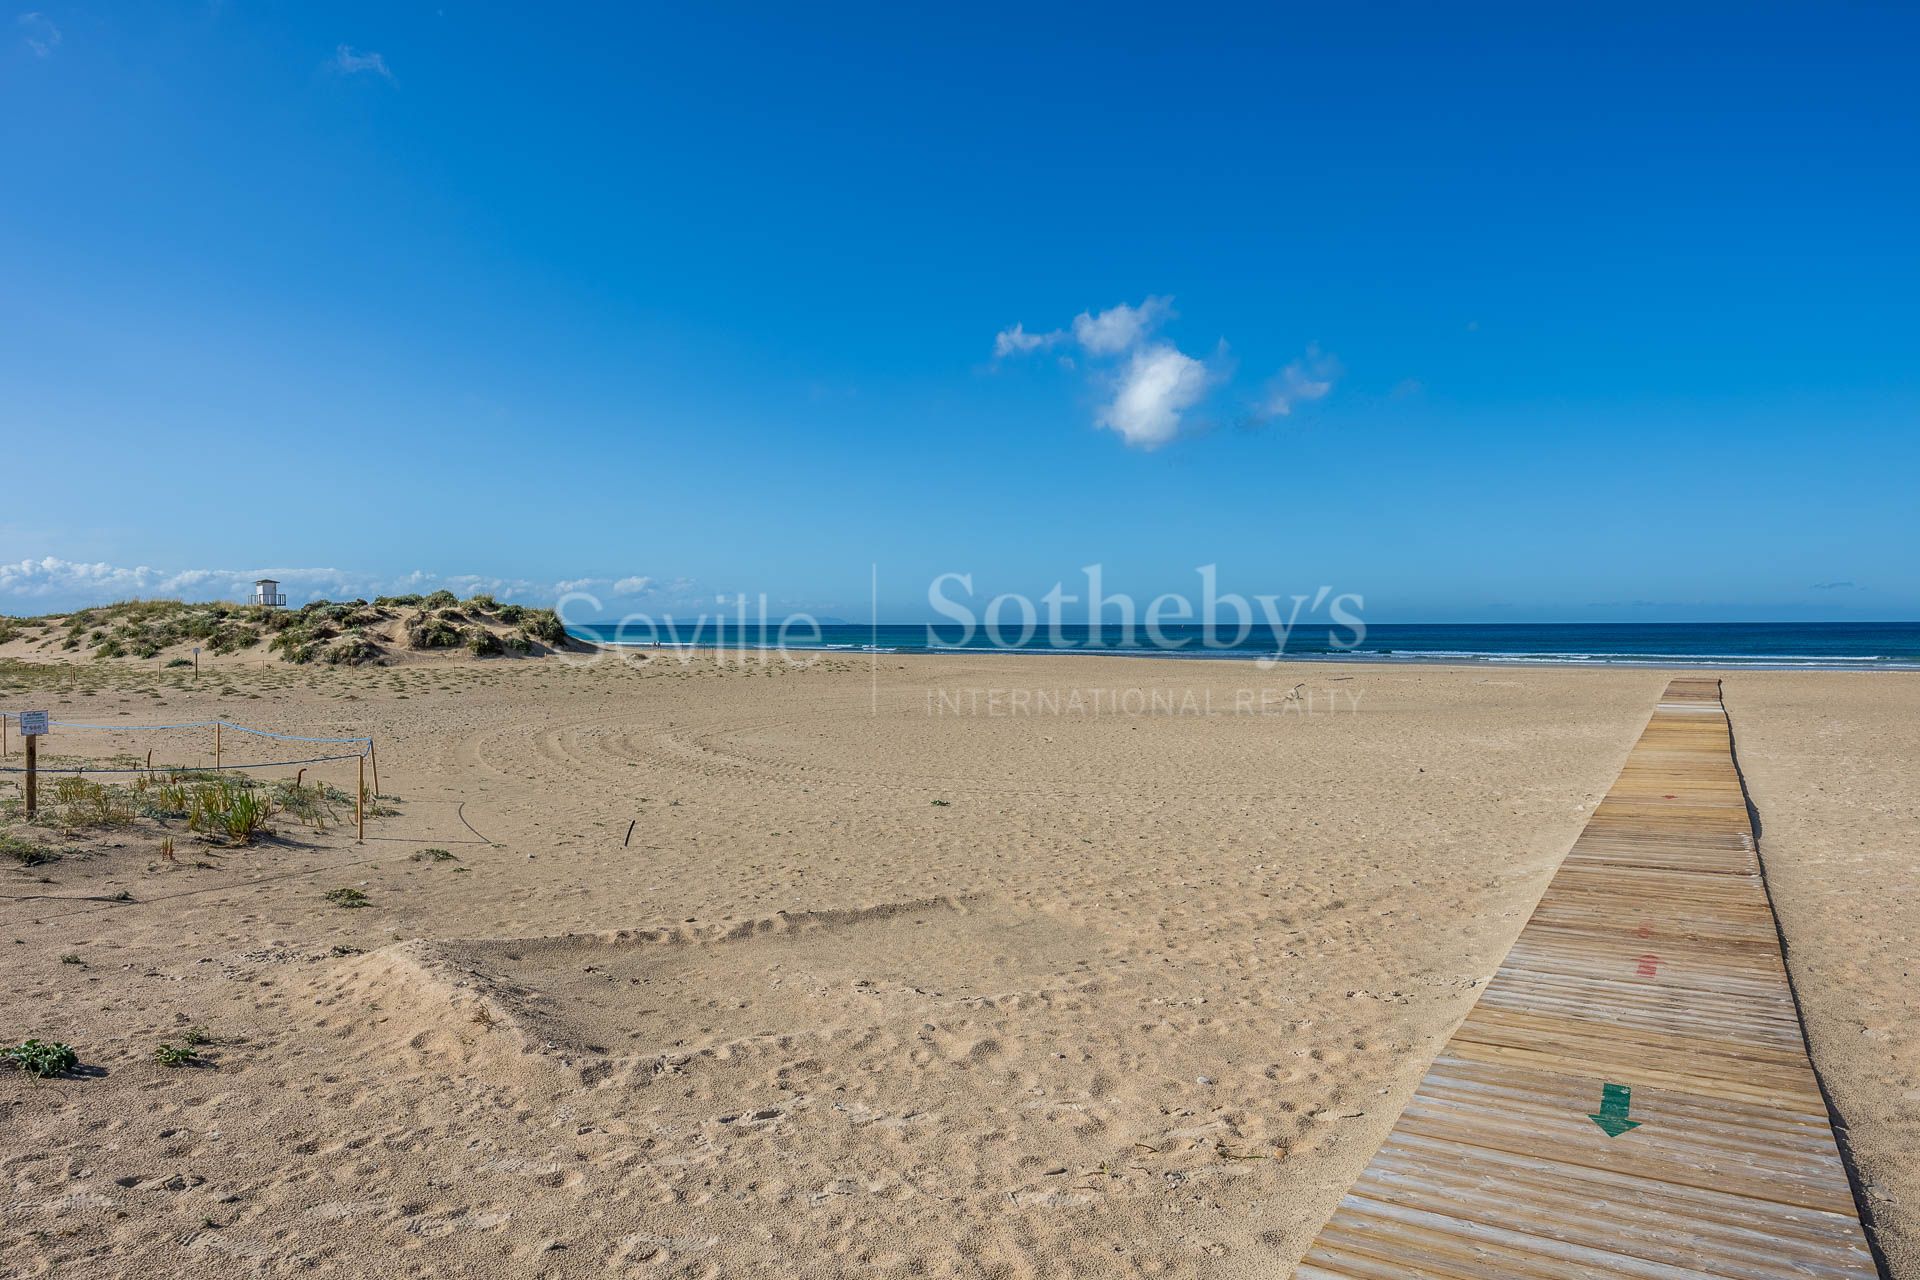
{"x":1644,"y":931}
{"x":1669,"y":797}
{"x":1649,"y":966}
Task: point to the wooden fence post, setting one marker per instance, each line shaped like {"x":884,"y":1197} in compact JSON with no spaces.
{"x":360,"y":803}
{"x":216,"y":746}
{"x":33,"y":778}
{"x":376,"y":768}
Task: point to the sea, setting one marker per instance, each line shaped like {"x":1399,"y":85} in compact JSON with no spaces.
{"x":1767,"y":645}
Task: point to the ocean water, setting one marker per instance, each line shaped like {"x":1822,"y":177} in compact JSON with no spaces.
{"x":1819,"y":645}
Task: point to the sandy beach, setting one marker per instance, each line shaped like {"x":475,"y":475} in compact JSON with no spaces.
{"x":922,"y":966}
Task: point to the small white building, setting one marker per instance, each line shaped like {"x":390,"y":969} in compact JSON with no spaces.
{"x":266,"y":591}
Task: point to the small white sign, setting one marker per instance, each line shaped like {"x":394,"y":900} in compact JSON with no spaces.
{"x":32,"y":723}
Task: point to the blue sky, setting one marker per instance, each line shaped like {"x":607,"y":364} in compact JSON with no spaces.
{"x":1598,"y":315}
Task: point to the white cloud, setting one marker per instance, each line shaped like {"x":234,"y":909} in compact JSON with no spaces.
{"x":1307,"y":379}
{"x":1017,"y":341}
{"x":1154,"y":385}
{"x":40,"y":34}
{"x":1158,"y":385}
{"x":1118,"y":329}
{"x":635,"y":586}
{"x":349,"y":61}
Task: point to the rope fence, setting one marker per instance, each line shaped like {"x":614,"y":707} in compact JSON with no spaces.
{"x":362,"y":750}
{"x":365,"y":744}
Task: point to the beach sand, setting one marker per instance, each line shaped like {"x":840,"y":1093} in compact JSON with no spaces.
{"x":916,"y":967}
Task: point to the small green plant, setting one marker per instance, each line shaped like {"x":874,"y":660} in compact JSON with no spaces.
{"x":347,"y":898}
{"x":942,"y":804}
{"x":71,"y":958}
{"x":25,"y":852}
{"x":80,"y":803}
{"x":196,"y":1036}
{"x":310,"y":803}
{"x":173,"y":1055}
{"x":157,"y":798}
{"x":433,"y":855}
{"x":229,"y":807}
{"x":179,"y":662}
{"x":41,"y":1058}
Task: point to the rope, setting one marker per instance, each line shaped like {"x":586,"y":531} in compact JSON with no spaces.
{"x":195,"y":724}
{"x":193,"y":768}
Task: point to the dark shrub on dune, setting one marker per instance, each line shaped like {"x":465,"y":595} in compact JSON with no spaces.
{"x":427,"y":632}
{"x":482,"y":643}
{"x":353,"y":650}
{"x":544,"y":625}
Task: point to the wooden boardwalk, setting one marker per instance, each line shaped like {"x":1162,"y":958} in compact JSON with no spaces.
{"x":1631,"y":1096}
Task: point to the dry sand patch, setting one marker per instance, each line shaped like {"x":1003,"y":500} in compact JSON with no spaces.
{"x":658,"y":991}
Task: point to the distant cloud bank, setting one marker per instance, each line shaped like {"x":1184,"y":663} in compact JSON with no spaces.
{"x":1149,"y":386}
{"x":50,"y":583}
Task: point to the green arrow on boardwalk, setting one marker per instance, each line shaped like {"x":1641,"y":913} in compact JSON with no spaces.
{"x":1615,"y":1101}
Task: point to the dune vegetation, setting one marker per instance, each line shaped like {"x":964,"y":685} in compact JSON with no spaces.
{"x":349,"y":633}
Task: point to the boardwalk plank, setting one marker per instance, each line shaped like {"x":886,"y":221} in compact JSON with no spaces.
{"x":1631,"y":1096}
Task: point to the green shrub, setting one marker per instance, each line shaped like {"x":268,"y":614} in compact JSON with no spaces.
{"x":41,"y":1058}
{"x":179,"y":662}
{"x":482,"y":643}
{"x":349,"y":898}
{"x":481,"y":603}
{"x":353,"y":650}
{"x":510,"y":614}
{"x":427,"y":632}
{"x":229,"y":638}
{"x":397,"y":602}
{"x":544,"y":625}
{"x":440,"y":600}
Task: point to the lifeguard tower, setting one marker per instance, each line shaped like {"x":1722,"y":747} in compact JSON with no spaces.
{"x":266,"y":591}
